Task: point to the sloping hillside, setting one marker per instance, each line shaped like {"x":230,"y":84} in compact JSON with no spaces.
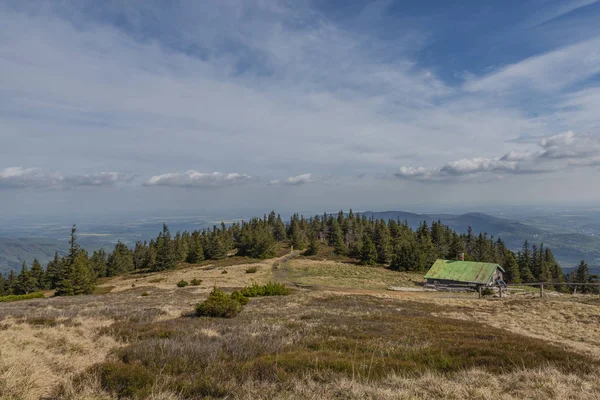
{"x":569,"y":248}
{"x":14,"y":251}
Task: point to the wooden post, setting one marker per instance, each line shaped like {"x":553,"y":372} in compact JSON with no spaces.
{"x":479,"y":291}
{"x":541,"y":290}
{"x":500,"y":288}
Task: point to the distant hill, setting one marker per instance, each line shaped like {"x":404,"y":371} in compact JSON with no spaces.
{"x":14,"y":251}
{"x":569,"y":248}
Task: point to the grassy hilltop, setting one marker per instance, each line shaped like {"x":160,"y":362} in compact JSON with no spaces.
{"x":339,"y":334}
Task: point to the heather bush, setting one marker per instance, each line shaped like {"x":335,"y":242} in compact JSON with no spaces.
{"x":17,"y":297}
{"x":236,"y":295}
{"x":269,"y":289}
{"x":196,"y":282}
{"x":126,"y":380}
{"x":218,"y":305}
{"x":251,"y":270}
{"x":182,"y":283}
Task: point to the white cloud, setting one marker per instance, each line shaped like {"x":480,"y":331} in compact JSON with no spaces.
{"x":299,"y":179}
{"x":558,"y":152}
{"x":548,"y":72}
{"x":36,"y":178}
{"x":195,"y":179}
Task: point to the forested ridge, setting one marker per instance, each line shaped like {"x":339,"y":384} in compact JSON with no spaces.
{"x":367,"y":240}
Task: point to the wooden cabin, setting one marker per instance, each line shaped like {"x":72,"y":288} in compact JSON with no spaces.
{"x":464,"y":273}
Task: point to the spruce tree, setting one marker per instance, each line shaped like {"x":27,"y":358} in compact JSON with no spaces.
{"x":37,"y":275}
{"x":511,"y":268}
{"x":80,"y":278}
{"x":368,"y":252}
{"x":165,"y":254}
{"x":120,"y":260}
{"x":52,"y":272}
{"x":99,"y":263}
{"x":381,"y":240}
{"x":75,"y":273}
{"x":313,"y":244}
{"x":25,"y":284}
{"x":196,"y":254}
{"x":581,"y":276}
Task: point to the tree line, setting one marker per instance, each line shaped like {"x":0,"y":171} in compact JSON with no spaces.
{"x":370,"y":241}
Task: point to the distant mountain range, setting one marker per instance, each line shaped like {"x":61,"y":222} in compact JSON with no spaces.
{"x":568,"y":248}
{"x":14,"y":251}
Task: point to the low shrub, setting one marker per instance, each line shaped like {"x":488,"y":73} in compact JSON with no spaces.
{"x":487,"y":292}
{"x":224,"y":271}
{"x":126,"y":380}
{"x":269,"y":289}
{"x":182,"y":283}
{"x":251,"y":270}
{"x":156,"y":280}
{"x":218,"y":305}
{"x":196,"y":282}
{"x":243,"y":300}
{"x":145,"y":294}
{"x":17,"y":297}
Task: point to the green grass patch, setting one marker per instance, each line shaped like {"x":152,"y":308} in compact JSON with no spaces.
{"x":18,"y":297}
{"x":103,"y":289}
{"x":268,"y":289}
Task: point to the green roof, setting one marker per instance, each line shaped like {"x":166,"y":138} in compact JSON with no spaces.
{"x":462,"y":271}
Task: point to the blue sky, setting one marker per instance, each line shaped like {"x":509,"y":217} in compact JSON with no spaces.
{"x":143,"y":105}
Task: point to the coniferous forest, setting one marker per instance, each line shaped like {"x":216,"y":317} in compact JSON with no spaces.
{"x":368,"y":241}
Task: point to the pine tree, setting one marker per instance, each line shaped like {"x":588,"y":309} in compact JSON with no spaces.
{"x":581,"y":276}
{"x":279,"y":229}
{"x":381,"y":240}
{"x":313,"y":244}
{"x":120,"y":261}
{"x":165,"y":254}
{"x":37,"y":275}
{"x":99,"y":263}
{"x":139,"y":255}
{"x":368,"y":252}
{"x":80,"y":278}
{"x":11,"y":282}
{"x":299,"y":239}
{"x":524,"y":261}
{"x":75,"y":273}
{"x":511,"y":268}
{"x":196,"y":254}
{"x":52,"y":272}
{"x":407,"y":258}
{"x":25,"y":284}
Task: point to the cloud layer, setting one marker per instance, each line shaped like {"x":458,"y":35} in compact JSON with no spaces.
{"x":195,"y":179}
{"x":274,"y":88}
{"x":557,"y":152}
{"x":36,"y":178}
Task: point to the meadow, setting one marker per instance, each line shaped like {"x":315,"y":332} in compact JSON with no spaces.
{"x":339,"y":334}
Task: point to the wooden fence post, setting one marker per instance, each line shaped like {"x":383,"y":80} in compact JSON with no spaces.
{"x":500,"y":287}
{"x":479,"y":291}
{"x":541,"y":290}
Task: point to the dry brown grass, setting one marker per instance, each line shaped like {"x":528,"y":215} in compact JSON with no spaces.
{"x":314,"y":344}
{"x":211,"y":275}
{"x":35,"y":358}
{"x":565,"y":320}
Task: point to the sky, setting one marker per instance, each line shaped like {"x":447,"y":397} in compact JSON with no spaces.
{"x":136,"y":106}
